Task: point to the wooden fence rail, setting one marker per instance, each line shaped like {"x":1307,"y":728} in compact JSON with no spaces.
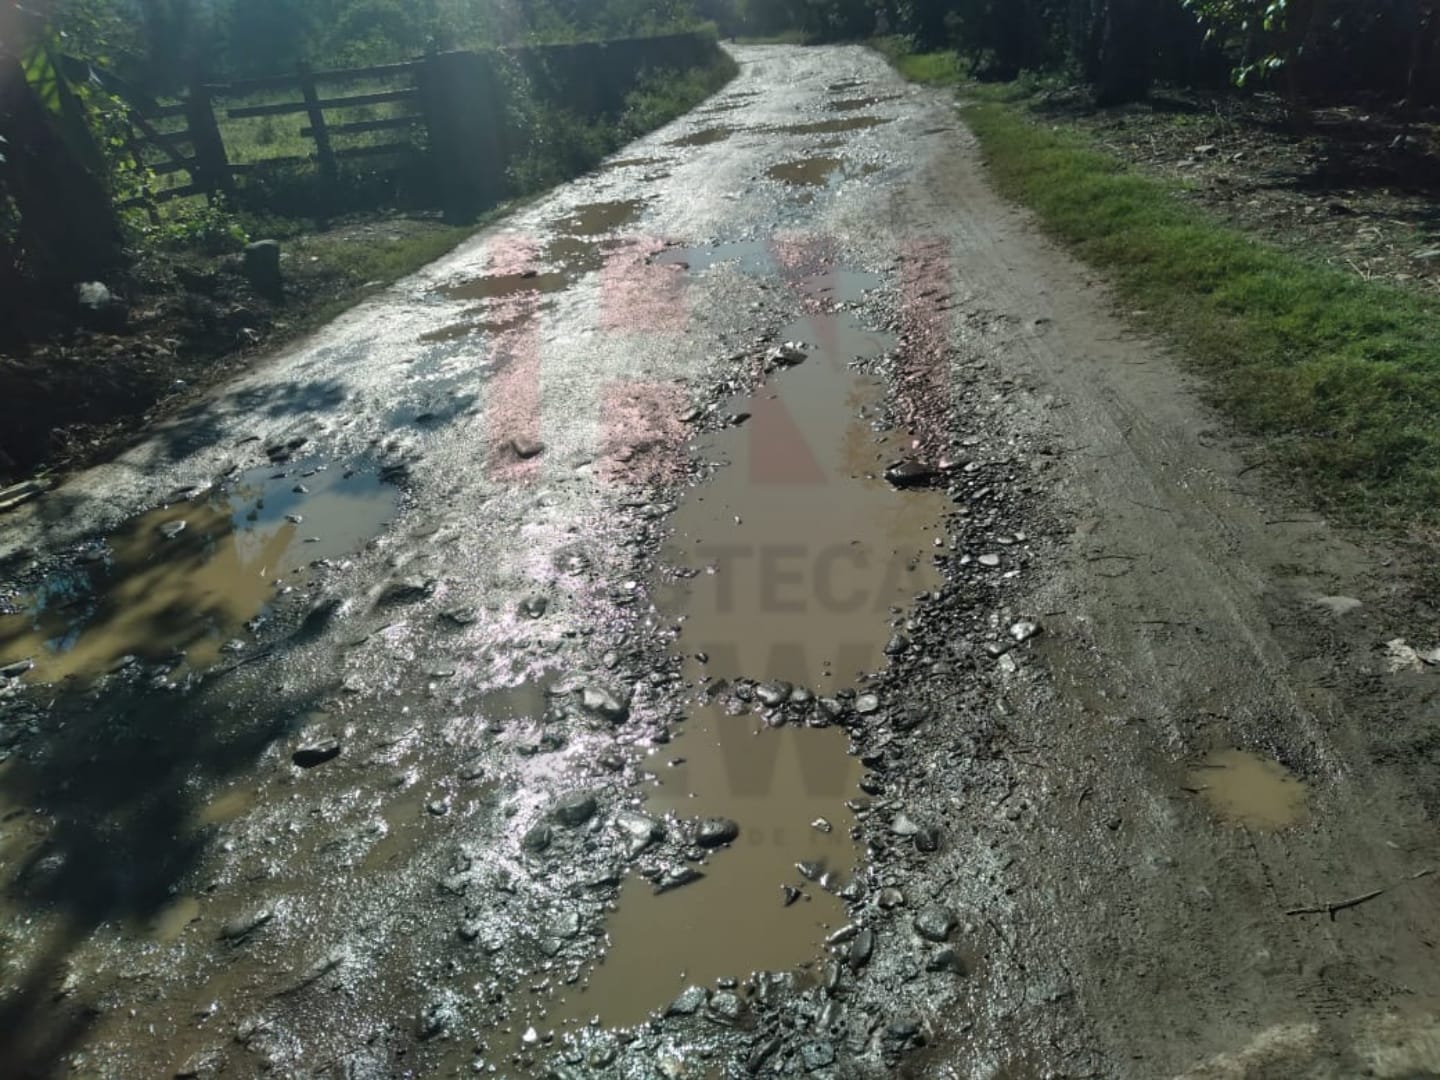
{"x":199,"y":147}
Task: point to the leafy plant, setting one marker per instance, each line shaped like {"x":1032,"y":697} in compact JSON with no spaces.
{"x":209,"y":226}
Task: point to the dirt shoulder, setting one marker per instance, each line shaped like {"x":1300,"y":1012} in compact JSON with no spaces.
{"x":1189,"y":607}
{"x":1351,"y":186}
{"x":180,"y":323}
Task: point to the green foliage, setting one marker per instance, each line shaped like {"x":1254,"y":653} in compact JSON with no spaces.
{"x":1340,"y":375}
{"x":560,"y":144}
{"x":210,"y":227}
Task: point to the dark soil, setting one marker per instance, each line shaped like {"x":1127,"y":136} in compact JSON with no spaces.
{"x":1352,"y":185}
{"x":75,"y":389}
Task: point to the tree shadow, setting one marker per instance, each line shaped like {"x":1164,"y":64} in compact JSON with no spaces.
{"x":117,"y":776}
{"x":119,"y":782}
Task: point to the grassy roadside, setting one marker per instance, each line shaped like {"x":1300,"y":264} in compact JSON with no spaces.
{"x":1340,"y":376}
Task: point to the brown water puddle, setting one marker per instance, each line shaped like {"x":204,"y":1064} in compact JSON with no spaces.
{"x":602,"y":218}
{"x":500,"y":286}
{"x":816,"y":171}
{"x":188,"y":577}
{"x":705,"y":137}
{"x":807,"y":172}
{"x":810,"y":551}
{"x":476,"y":324}
{"x":637,"y":163}
{"x":832,"y":127}
{"x":582,"y":239}
{"x":1246,"y":789}
{"x":853,"y":104}
{"x":802,"y":548}
{"x":775,"y":784}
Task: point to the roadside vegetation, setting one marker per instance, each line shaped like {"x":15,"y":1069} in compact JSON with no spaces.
{"x":1338,"y":370}
{"x":1342,"y":375}
{"x":177,"y":311}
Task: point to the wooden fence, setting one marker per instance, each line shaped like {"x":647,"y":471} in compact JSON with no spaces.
{"x":198,"y":148}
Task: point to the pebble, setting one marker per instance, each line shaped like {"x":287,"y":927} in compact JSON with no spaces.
{"x":727,"y":1005}
{"x":534,"y":607}
{"x":639,"y":831}
{"x":405,"y":591}
{"x":817,"y":1055}
{"x":903,"y":826}
{"x":911,"y":473}
{"x":525,"y":449}
{"x":774,"y":693}
{"x":538,"y":838}
{"x":603,"y":703}
{"x":171,"y":529}
{"x":575,"y":810}
{"x":716,"y":832}
{"x":861,"y":949}
{"x":15,"y":670}
{"x":676,"y":877}
{"x":946,"y":959}
{"x":691,"y":1001}
{"x":1024,"y":630}
{"x":989,"y":560}
{"x":242,"y":926}
{"x":317,"y":753}
{"x":867,"y":704}
{"x":935,"y":923}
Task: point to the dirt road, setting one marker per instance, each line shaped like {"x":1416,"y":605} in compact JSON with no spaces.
{"x":767,"y":554}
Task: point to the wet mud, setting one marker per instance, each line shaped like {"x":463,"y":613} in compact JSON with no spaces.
{"x":855,"y":104}
{"x":181,"y":583}
{"x":817,"y":172}
{"x":797,"y":552}
{"x":1242,"y":788}
{"x":831,"y":127}
{"x":707,"y":137}
{"x":786,"y":790}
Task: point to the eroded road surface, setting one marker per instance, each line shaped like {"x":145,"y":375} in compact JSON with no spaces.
{"x":757,"y":611}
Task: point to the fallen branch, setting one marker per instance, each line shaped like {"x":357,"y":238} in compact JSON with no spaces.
{"x":1355,"y":901}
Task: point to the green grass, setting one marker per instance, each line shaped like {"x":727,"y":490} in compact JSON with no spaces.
{"x":1339,"y":375}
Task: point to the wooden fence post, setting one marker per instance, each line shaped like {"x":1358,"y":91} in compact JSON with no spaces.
{"x":329,"y":171}
{"x":211,"y":163}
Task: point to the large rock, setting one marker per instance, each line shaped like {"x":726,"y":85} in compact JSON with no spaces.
{"x":100,"y":309}
{"x":262,"y":268}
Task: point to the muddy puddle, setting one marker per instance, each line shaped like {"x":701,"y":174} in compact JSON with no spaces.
{"x":776,"y":785}
{"x":183,"y":581}
{"x":1241,"y":788}
{"x":855,"y":104}
{"x":636,"y":163}
{"x":799,"y":547}
{"x":579,"y":244}
{"x":748,"y":256}
{"x":831,"y":127}
{"x":706,"y":137}
{"x":801,"y":554}
{"x":476,"y":323}
{"x":599,"y":219}
{"x":817,"y":172}
{"x":501,"y":286}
